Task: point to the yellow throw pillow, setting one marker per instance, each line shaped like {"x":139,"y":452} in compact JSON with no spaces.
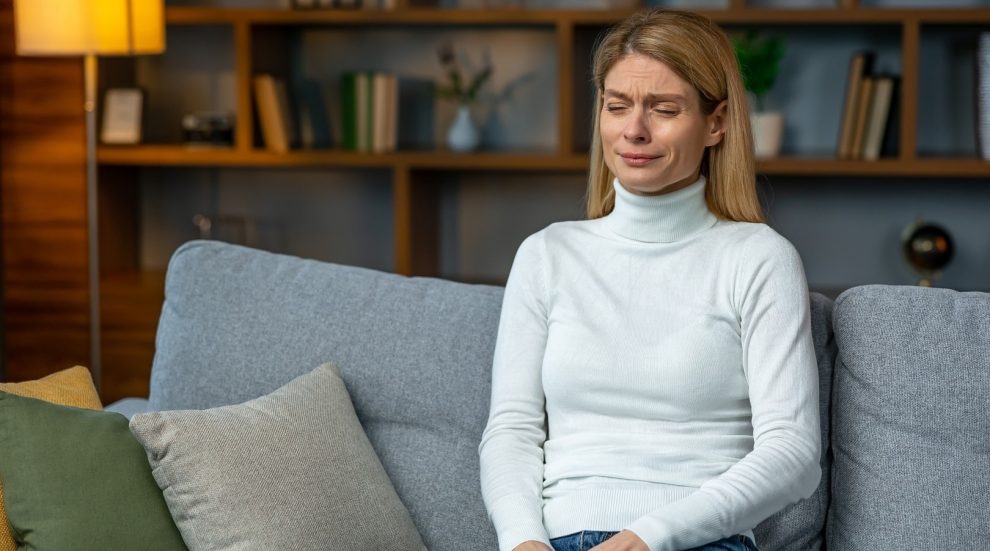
{"x":70,"y":387}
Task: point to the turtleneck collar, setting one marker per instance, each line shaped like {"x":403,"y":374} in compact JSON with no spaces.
{"x":662,"y":218}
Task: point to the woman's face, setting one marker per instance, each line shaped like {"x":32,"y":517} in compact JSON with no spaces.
{"x":650,"y":112}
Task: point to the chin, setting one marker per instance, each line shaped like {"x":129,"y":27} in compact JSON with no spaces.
{"x":641,"y":181}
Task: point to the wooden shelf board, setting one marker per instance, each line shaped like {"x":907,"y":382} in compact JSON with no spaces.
{"x":165,"y":155}
{"x":859,"y":15}
{"x":963,"y":167}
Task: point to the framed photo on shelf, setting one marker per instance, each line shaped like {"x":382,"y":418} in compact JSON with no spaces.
{"x":122,"y":108}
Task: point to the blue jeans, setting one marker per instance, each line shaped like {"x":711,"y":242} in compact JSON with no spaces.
{"x":583,"y":541}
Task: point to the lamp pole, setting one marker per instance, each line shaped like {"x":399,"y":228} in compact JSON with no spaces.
{"x":92,"y":220}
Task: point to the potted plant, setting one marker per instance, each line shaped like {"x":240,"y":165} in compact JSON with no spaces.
{"x":463,"y":134}
{"x":759,"y":62}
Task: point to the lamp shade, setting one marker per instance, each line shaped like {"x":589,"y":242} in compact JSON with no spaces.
{"x":99,"y":27}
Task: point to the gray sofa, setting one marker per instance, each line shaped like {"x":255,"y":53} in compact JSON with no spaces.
{"x":904,"y":373}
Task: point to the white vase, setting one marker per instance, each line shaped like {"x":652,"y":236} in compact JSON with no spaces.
{"x":768,"y":127}
{"x":463,"y":134}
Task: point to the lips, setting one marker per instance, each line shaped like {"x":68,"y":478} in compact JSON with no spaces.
{"x":636,"y":156}
{"x":638,"y":159}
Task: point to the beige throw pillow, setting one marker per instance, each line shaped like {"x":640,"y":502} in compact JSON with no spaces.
{"x":289,"y":470}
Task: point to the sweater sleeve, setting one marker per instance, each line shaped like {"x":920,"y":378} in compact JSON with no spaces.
{"x":778,"y":358}
{"x":511,"y":449}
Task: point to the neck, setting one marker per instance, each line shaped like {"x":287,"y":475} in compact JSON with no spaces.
{"x":662,"y":218}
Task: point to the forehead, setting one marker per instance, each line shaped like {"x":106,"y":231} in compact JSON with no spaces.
{"x":640,"y":75}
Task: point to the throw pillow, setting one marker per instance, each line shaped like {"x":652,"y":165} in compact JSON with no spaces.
{"x":69,"y":387}
{"x":77,"y":479}
{"x":289,"y":469}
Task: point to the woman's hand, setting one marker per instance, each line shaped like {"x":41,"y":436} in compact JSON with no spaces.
{"x":623,"y":541}
{"x":532,"y":545}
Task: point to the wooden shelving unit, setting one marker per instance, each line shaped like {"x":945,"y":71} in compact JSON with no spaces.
{"x":500,"y":161}
{"x":133,"y":295}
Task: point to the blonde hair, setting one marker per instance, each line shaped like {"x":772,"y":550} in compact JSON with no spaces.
{"x":701,"y":54}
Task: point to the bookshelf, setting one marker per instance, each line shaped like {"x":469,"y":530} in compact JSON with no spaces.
{"x":266,"y":40}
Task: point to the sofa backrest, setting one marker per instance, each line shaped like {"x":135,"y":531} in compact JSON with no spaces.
{"x":911,"y":420}
{"x":415,"y":354}
{"x":801,"y":526}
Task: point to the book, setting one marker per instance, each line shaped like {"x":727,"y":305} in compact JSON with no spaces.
{"x":380,"y":114}
{"x":860,"y":65}
{"x":883,"y":89}
{"x":862,"y":116}
{"x":348,"y":116}
{"x":272,"y":106}
{"x":285,"y":113}
{"x":362,"y":110}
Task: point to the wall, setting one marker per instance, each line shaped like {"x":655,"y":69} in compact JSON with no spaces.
{"x":846,"y":229}
{"x":43,"y":195}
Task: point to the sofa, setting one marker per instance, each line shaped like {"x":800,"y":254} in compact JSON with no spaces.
{"x":904,"y":378}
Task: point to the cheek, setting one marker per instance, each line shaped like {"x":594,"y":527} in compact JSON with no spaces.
{"x":684,"y":137}
{"x":609,"y":129}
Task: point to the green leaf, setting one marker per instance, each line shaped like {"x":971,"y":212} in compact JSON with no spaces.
{"x":759,"y":61}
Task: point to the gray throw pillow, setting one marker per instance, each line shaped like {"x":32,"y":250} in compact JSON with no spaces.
{"x":289,"y":470}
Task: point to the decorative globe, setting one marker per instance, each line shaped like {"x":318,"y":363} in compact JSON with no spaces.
{"x":927,"y":247}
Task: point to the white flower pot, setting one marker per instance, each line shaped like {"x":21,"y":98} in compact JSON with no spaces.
{"x":463,"y":134}
{"x":768,"y":127}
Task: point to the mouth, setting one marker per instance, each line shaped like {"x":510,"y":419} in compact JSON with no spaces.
{"x":638,"y":160}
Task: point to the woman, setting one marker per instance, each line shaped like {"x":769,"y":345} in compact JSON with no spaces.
{"x":654,"y":384}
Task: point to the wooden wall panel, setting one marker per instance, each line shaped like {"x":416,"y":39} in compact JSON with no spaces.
{"x":130,"y":305}
{"x":43,"y":204}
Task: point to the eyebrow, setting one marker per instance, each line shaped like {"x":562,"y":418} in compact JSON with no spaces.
{"x":650,"y":97}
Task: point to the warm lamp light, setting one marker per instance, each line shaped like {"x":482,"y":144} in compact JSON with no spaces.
{"x":90,"y":28}
{"x":99,"y":27}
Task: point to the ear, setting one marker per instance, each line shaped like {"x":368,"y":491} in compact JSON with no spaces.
{"x":716,"y":124}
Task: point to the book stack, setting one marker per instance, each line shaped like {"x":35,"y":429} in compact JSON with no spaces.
{"x":344,"y":4}
{"x":869,"y":118}
{"x":369,"y":111}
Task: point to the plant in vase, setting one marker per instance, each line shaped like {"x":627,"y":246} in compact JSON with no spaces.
{"x":463,"y":134}
{"x":759,"y":62}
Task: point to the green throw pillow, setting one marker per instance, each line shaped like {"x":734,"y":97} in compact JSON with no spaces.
{"x":77,"y":479}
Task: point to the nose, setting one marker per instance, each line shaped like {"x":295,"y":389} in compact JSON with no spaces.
{"x":637,"y":128}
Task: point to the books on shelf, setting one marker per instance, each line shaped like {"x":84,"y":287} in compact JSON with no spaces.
{"x":272,"y":102}
{"x":345,"y":4}
{"x":882,"y":95}
{"x":369,"y":111}
{"x":868,"y":128}
{"x":863,"y":100}
{"x":860,"y":64}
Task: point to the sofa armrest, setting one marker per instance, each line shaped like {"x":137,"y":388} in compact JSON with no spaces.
{"x":129,"y":407}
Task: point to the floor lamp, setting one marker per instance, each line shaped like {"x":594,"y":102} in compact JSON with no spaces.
{"x":90,"y":28}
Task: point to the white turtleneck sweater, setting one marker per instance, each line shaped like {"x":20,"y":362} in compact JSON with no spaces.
{"x":654,"y":371}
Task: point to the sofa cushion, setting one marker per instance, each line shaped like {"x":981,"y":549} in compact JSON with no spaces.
{"x":289,"y":469}
{"x":801,"y":526}
{"x":69,"y":387}
{"x":415,"y":354}
{"x":910,"y":429}
{"x":77,"y":479}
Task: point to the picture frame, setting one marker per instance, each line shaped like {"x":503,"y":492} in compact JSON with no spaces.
{"x":122,"y":113}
